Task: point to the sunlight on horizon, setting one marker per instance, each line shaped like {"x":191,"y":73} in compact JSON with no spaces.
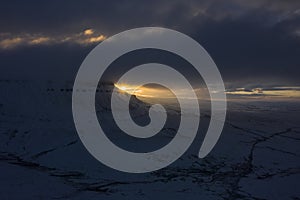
{"x":148,"y":92}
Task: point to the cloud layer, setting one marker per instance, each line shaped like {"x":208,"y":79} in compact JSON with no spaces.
{"x":87,"y":37}
{"x":255,"y":44}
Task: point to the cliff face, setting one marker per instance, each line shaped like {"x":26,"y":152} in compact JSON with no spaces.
{"x":41,"y":155}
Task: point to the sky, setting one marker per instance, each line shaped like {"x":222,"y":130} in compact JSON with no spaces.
{"x":255,"y":44}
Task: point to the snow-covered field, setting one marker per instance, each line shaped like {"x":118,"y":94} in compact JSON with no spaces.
{"x":42,"y":157}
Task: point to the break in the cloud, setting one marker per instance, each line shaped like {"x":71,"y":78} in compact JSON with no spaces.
{"x":87,"y":37}
{"x":283,"y":92}
{"x":270,"y":93}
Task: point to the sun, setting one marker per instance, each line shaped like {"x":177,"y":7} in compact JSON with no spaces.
{"x":130,"y":89}
{"x":124,"y":88}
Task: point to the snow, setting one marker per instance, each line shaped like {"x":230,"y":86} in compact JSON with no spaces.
{"x":257,"y":156}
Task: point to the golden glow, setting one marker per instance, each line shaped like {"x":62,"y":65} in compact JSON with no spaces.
{"x":284,"y":93}
{"x":132,"y":90}
{"x":87,"y":37}
{"x":161,"y":93}
{"x":154,"y":94}
{"x":88,"y":32}
{"x":123,"y":88}
{"x":40,"y":40}
{"x":10,"y":42}
{"x":144,"y":91}
{"x":275,"y":93}
{"x":150,"y":94}
{"x":97,"y":38}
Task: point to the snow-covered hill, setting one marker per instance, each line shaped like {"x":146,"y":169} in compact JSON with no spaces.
{"x":42,"y":157}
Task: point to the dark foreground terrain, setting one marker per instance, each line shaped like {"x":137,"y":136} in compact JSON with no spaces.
{"x":42,"y":157}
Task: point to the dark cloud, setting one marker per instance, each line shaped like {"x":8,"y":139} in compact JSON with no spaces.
{"x":254,"y":43}
{"x":244,"y":48}
{"x":57,"y":62}
{"x":111,"y":16}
